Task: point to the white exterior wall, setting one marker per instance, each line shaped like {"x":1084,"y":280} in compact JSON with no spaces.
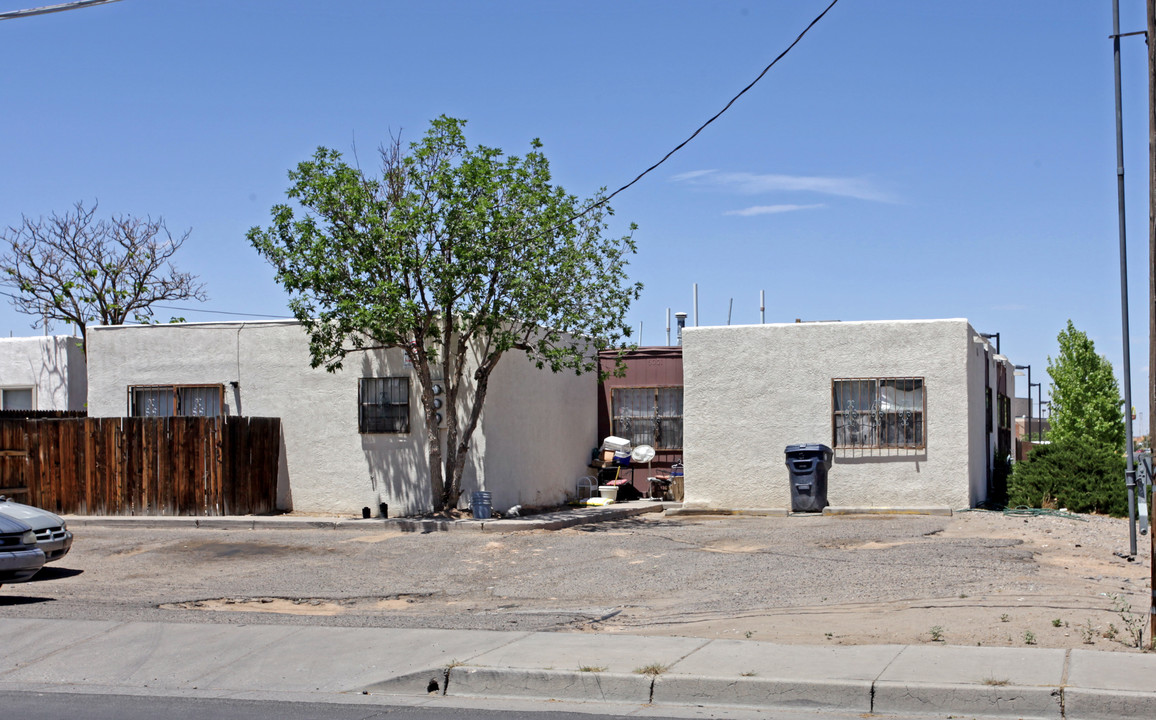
{"x":752,"y":390}
{"x":536,"y":433}
{"x":52,"y":366}
{"x":327,"y":465}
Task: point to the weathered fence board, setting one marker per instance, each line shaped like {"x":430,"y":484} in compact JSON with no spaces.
{"x":142,"y":466}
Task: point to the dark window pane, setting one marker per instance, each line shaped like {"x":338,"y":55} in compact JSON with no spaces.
{"x":383,"y":405}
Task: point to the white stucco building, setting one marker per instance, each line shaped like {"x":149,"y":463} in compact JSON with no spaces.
{"x":42,"y":373}
{"x":916,"y":412}
{"x":354,"y":438}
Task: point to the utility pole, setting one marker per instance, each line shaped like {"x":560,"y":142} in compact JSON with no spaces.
{"x":1130,"y":471}
{"x":1151,"y":4}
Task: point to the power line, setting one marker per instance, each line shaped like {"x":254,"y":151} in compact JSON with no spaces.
{"x":223,"y":312}
{"x":46,"y":9}
{"x":715,"y":117}
{"x":194,"y":310}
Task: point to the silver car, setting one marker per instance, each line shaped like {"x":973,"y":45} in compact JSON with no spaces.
{"x":20,"y":559}
{"x":52,"y":533}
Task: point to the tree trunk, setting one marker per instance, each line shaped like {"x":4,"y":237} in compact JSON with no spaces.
{"x":461,"y":451}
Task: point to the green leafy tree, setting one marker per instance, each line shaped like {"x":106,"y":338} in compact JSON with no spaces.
{"x":459,"y":256}
{"x":1085,"y":396}
{"x":80,"y":269}
{"x":1082,"y":467}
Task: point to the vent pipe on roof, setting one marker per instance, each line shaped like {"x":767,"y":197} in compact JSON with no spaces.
{"x":680,"y":317}
{"x":695,"y":307}
{"x":668,"y":326}
{"x":762,"y":307}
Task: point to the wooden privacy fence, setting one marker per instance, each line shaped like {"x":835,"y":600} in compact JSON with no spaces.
{"x":142,"y":466}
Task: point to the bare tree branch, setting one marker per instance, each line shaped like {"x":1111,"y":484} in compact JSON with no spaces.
{"x":79,"y":269}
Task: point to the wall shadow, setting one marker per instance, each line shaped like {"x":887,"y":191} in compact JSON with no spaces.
{"x":397,"y":465}
{"x":878,"y":459}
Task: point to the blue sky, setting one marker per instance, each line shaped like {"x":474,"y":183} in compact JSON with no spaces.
{"x":908,"y":159}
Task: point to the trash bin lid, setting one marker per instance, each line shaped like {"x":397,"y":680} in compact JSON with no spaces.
{"x":808,"y":447}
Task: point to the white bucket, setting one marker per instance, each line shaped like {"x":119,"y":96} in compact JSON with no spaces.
{"x":608,"y":492}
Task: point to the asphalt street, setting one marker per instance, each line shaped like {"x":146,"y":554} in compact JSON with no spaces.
{"x":58,"y":706}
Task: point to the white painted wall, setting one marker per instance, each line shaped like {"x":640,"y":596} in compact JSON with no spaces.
{"x":327,"y":465}
{"x":52,"y":366}
{"x":752,"y":390}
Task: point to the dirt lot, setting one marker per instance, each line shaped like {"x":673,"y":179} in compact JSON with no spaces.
{"x":1069,"y":591}
{"x":975,"y":578}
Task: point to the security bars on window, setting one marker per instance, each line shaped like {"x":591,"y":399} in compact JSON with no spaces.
{"x":176,"y":400}
{"x":383,"y":405}
{"x":648,"y":416}
{"x":881,"y":415}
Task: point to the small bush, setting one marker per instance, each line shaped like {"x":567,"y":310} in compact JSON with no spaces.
{"x":1077,"y":474}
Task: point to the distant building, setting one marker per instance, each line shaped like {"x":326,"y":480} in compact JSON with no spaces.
{"x":644,"y":405}
{"x":42,"y":373}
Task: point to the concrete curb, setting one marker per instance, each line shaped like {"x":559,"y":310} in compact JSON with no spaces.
{"x":940,"y":511}
{"x":753,"y":512}
{"x":549,"y":685}
{"x":1108,"y":704}
{"x":986,"y":700}
{"x":830,"y":510}
{"x":843,"y":695}
{"x":545,"y":521}
{"x":857,"y":696}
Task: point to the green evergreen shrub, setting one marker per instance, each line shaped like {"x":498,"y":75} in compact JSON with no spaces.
{"x":1078,"y":474}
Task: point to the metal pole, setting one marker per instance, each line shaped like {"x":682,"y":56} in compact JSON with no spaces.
{"x":1151,"y":7}
{"x":763,"y":300}
{"x":668,"y":326}
{"x":730,"y":308}
{"x":696,"y":304}
{"x":1130,"y":471}
{"x":1029,"y":427}
{"x":1039,"y":403}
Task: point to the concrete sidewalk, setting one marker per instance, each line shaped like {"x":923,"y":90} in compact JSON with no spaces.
{"x":658,"y":674}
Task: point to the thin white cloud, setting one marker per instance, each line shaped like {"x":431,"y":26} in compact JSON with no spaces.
{"x":693,"y":174}
{"x":755,"y":184}
{"x":771,"y":209}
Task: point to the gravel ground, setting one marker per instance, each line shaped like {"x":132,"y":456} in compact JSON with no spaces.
{"x":975,"y":578}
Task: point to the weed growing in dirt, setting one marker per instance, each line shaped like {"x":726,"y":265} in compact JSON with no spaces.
{"x":1029,"y":637}
{"x":995,"y":681}
{"x":1057,"y":622}
{"x":1111,"y":632}
{"x":936,"y":633}
{"x":1004,"y":618}
{"x":591,"y":668}
{"x":1088,"y":632}
{"x":1134,"y":623}
{"x":653,"y":669}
